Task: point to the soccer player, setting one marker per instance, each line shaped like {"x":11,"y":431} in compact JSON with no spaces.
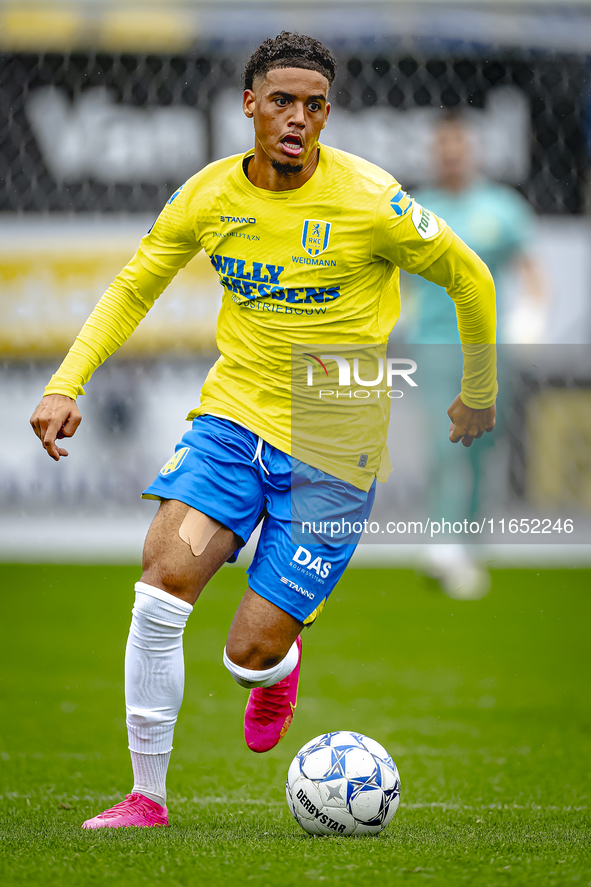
{"x":307,"y":242}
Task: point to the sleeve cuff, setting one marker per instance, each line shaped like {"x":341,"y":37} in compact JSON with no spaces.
{"x":476,"y":403}
{"x":64,"y":388}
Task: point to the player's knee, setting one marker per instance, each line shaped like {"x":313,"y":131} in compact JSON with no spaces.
{"x":253,"y":655}
{"x":257,"y":674}
{"x":168,"y":580}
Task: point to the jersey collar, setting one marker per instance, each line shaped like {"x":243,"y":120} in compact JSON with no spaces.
{"x":312,"y":186}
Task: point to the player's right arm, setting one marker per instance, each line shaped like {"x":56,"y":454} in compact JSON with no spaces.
{"x":167,"y":248}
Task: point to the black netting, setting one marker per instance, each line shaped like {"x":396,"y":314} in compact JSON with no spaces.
{"x":554,"y":87}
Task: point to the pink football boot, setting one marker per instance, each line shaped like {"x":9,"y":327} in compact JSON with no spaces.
{"x":269,"y":710}
{"x":135,"y":810}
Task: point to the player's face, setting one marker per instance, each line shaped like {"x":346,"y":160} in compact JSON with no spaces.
{"x":290,"y":108}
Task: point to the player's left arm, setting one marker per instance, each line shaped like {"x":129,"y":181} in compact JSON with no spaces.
{"x":419,"y":242}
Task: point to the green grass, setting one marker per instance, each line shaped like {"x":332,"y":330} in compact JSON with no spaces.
{"x":483,"y":705}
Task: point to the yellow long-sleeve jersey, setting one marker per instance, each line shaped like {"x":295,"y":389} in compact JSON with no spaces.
{"x":318,"y":264}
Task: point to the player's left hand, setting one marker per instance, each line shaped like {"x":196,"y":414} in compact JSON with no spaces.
{"x":468,"y":424}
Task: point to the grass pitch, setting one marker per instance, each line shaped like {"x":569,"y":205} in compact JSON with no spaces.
{"x":483,"y":705}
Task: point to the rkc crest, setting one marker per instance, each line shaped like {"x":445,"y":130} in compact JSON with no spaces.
{"x":176,"y":461}
{"x":315,"y":236}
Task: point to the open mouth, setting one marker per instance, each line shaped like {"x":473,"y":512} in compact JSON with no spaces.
{"x":292,"y":145}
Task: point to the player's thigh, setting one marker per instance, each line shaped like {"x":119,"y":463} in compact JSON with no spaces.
{"x":293,"y":573}
{"x":213,"y":474}
{"x":169,"y":562}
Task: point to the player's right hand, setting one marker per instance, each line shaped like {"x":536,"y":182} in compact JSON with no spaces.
{"x":56,"y":417}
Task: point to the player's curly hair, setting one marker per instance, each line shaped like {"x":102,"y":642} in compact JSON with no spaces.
{"x":290,"y":50}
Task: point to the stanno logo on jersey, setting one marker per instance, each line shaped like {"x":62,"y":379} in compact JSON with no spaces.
{"x":401,"y":203}
{"x":315,"y":236}
{"x":239,"y":220}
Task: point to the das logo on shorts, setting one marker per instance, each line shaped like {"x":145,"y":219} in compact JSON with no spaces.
{"x":175,"y":462}
{"x":315,"y":236}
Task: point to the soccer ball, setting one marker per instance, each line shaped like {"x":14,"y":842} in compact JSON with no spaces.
{"x":343,"y":784}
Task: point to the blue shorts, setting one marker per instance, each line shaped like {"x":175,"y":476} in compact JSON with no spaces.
{"x":230,"y":474}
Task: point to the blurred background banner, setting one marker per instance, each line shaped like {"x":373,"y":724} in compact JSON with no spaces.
{"x":106,"y":108}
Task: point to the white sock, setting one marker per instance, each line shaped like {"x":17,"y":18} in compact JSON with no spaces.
{"x":154,"y":684}
{"x":149,"y":773}
{"x":266,"y":677}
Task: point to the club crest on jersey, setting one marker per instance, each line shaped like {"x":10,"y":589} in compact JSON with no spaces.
{"x":176,"y":461}
{"x":315,"y":236}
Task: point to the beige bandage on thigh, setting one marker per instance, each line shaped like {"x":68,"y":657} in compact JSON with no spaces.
{"x":197,"y":529}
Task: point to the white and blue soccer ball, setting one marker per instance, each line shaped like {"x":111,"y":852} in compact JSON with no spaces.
{"x":343,"y":784}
